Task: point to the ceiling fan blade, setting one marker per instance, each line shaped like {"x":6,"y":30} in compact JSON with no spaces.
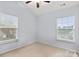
{"x":37,"y":5}
{"x":47,"y":1}
{"x":28,"y":2}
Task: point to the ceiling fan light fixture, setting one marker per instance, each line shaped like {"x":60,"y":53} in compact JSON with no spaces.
{"x":37,"y":2}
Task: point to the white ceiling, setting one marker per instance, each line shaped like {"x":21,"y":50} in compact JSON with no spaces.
{"x":47,"y":7}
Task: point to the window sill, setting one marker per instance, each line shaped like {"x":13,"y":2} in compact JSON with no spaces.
{"x":8,"y":41}
{"x":64,"y":40}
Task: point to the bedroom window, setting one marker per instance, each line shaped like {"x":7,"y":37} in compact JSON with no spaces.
{"x":8,"y":28}
{"x":66,"y":28}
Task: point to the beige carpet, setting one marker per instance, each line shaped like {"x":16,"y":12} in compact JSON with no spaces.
{"x":38,"y":50}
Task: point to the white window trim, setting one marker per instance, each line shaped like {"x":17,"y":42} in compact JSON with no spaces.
{"x":72,"y":41}
{"x":10,"y":26}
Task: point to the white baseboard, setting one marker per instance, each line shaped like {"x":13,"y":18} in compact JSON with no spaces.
{"x":5,"y":51}
{"x":2,"y":52}
{"x":72,"y":50}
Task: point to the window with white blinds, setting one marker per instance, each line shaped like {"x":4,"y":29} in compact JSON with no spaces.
{"x":8,"y":28}
{"x":66,"y":28}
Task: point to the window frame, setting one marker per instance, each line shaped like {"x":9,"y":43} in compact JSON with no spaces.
{"x":71,"y":41}
{"x":12,"y":40}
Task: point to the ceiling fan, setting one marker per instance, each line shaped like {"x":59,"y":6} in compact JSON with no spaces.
{"x":37,"y":3}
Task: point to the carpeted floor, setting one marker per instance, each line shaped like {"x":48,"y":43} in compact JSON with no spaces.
{"x":38,"y":50}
